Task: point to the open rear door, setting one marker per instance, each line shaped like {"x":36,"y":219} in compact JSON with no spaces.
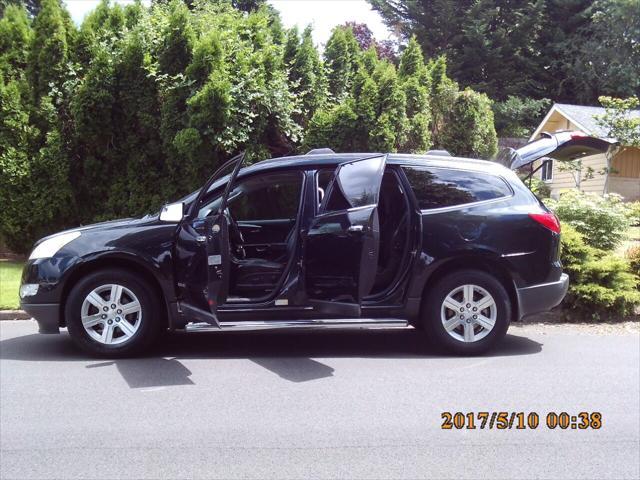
{"x":563,"y":146}
{"x":342,"y":245}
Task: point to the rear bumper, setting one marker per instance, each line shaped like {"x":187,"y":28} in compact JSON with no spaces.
{"x":543,"y":297}
{"x":46,"y":314}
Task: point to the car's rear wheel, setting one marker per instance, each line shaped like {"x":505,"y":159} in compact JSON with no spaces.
{"x":112,"y":313}
{"x":467,"y":312}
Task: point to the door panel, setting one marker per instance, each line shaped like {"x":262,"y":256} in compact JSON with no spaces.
{"x":218,"y":259}
{"x":202,"y":252}
{"x":341,"y":249}
{"x":342,"y":244}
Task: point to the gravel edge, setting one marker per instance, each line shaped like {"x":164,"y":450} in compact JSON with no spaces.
{"x":14,"y":315}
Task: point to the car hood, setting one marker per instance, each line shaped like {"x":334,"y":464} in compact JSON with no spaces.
{"x":108,"y":225}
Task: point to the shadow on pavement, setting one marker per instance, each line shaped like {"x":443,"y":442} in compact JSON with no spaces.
{"x":150,"y":372}
{"x":287,"y":354}
{"x":295,"y":369}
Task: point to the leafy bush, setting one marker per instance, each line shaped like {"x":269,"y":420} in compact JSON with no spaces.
{"x":633,"y":213}
{"x":602,"y":284}
{"x":602,"y":220}
{"x":468,"y":129}
{"x":633,"y":257}
{"x":539,"y":188}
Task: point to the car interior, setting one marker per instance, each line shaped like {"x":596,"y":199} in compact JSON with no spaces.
{"x":263,"y":214}
{"x":393,"y":214}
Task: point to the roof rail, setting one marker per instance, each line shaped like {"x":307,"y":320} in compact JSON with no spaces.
{"x":440,"y":153}
{"x":319,"y":151}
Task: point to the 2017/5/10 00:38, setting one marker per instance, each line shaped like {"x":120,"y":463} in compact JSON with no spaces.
{"x":520,"y":420}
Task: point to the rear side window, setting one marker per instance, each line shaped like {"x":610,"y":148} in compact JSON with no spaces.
{"x":444,"y":187}
{"x":357,"y":184}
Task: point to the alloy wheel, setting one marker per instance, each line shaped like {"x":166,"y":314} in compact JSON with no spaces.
{"x":468,"y":313}
{"x":111,"y":314}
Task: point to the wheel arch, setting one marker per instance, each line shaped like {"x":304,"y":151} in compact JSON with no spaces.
{"x":135,"y":267}
{"x":484,"y":263}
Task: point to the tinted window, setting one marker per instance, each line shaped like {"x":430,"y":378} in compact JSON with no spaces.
{"x":264,"y":197}
{"x":357,"y":185}
{"x":442,"y":187}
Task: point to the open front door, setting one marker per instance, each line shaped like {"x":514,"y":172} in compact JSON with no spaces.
{"x":218,"y":246}
{"x":342,"y":244}
{"x":203,"y":250}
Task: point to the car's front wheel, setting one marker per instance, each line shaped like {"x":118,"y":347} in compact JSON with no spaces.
{"x":112,"y":313}
{"x":467,"y":312}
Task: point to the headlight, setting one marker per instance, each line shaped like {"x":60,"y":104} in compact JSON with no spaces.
{"x":49,"y":247}
{"x":28,"y":290}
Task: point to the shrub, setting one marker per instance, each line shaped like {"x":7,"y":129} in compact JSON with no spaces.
{"x":539,"y":188}
{"x":602,"y":220}
{"x":633,"y":257}
{"x":602,"y":284}
{"x":633,"y":213}
{"x":468,"y":129}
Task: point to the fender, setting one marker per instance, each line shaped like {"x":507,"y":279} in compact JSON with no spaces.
{"x":160,"y":271}
{"x":427,"y":268}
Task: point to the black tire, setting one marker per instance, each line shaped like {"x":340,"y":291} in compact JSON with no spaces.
{"x":150,"y":321}
{"x":431,"y":312}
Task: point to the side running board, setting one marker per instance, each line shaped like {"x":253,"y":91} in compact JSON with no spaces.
{"x":288,"y":324}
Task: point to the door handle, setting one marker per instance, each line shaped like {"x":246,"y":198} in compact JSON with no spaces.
{"x":201,"y":239}
{"x":356,"y":228}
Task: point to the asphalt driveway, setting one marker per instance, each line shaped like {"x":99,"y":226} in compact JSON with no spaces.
{"x":322,"y":405}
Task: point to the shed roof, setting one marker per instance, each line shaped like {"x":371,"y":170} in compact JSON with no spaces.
{"x":585,"y":117}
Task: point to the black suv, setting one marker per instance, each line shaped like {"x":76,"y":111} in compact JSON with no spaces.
{"x":456,"y":247}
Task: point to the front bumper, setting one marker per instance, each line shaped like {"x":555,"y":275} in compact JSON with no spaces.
{"x":46,"y":314}
{"x":543,"y":297}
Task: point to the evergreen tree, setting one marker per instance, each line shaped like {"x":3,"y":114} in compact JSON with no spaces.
{"x":389,"y":131}
{"x":291,"y":46}
{"x":607,"y":59}
{"x":174,"y":56}
{"x":139,"y":146}
{"x":341,"y":56}
{"x":15,"y":37}
{"x":442,"y":96}
{"x":177,"y":40}
{"x":307,"y":77}
{"x":95,"y":164}
{"x":16,"y":135}
{"x":32,"y":7}
{"x":568,"y":50}
{"x":416,"y":84}
{"x":468,"y":130}
{"x":49,"y":53}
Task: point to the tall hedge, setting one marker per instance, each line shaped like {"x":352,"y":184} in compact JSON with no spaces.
{"x":137,"y":105}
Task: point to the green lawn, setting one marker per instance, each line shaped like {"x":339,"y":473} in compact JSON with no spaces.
{"x":10,"y":273}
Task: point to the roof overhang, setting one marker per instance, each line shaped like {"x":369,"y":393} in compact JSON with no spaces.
{"x":546,"y":118}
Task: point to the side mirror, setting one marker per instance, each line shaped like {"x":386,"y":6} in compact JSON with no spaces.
{"x":172,"y":212}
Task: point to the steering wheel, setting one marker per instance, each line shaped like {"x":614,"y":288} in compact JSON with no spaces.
{"x":235,"y":235}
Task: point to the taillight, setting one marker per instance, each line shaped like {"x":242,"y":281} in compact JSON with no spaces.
{"x":547,"y":220}
{"x":578,"y":134}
